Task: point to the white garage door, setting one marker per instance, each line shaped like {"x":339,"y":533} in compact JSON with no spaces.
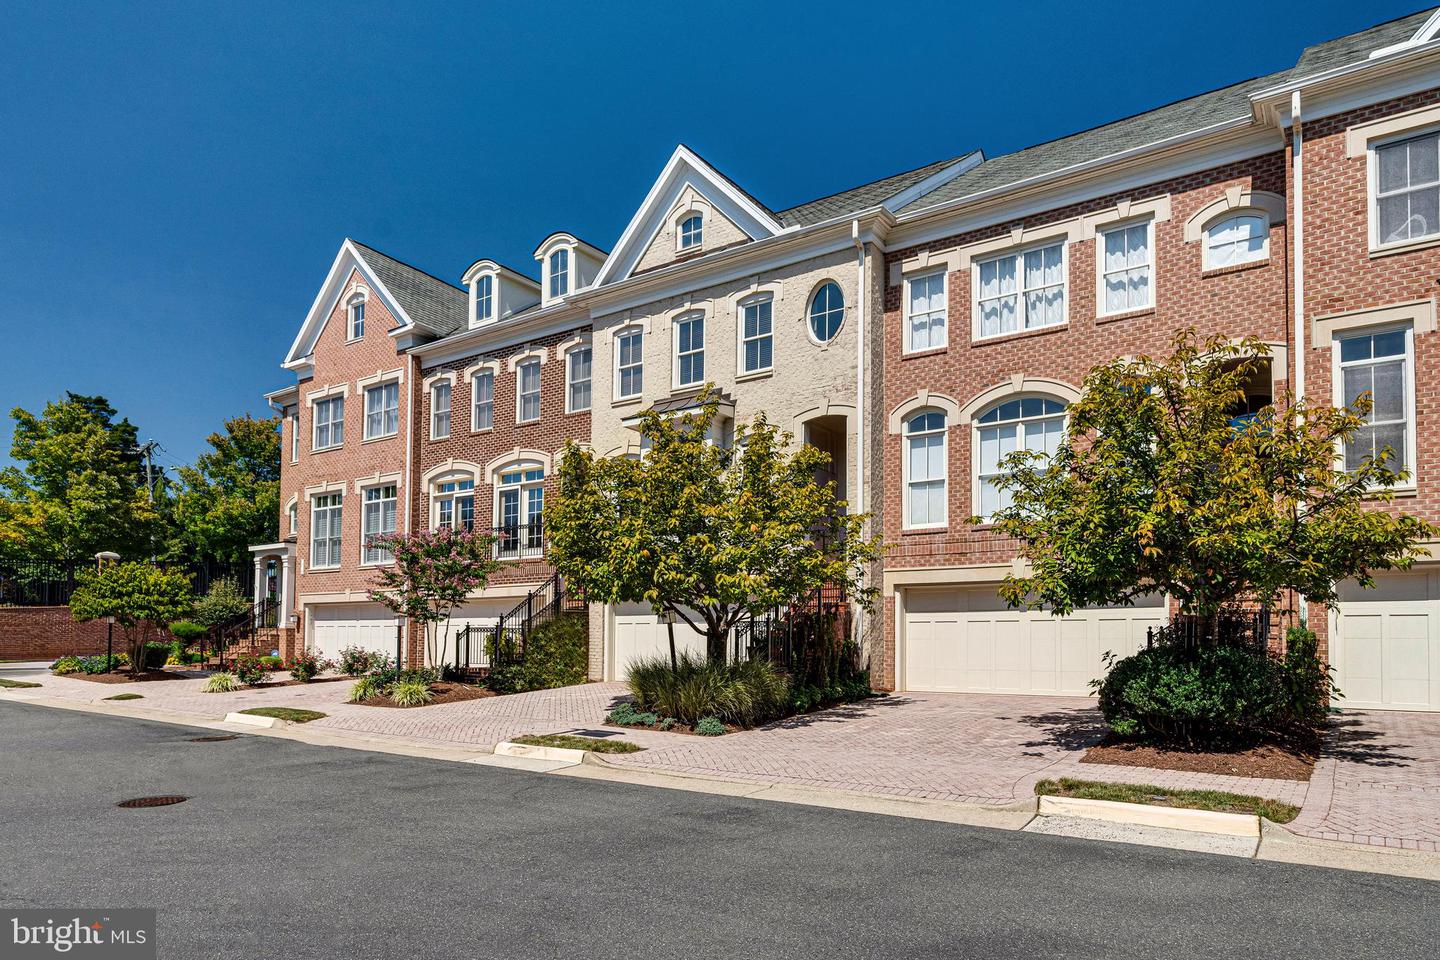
{"x":1386,"y":649}
{"x":336,"y":626}
{"x":484,"y":613}
{"x":966,"y":640}
{"x":639,"y":634}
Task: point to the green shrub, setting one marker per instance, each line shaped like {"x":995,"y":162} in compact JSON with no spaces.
{"x":222,"y":683}
{"x":187,"y":631}
{"x":1308,"y":682}
{"x":271,"y":662}
{"x":557,"y":654}
{"x":249,"y":670}
{"x":307,"y":666}
{"x":625,"y":715}
{"x":222,"y":603}
{"x":156,"y":654}
{"x":66,"y":665}
{"x":365,"y":688}
{"x":744,"y":694}
{"x":807,"y":697}
{"x":709,"y":727}
{"x":411,"y":693}
{"x":354,"y":661}
{"x":98,"y":664}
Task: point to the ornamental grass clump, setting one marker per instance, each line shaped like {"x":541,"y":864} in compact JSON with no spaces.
{"x":743,"y":694}
{"x":411,"y":692}
{"x":221,"y":683}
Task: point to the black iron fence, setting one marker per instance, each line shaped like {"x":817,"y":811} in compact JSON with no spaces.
{"x":804,"y":639}
{"x":486,"y":647}
{"x":36,"y":583}
{"x":1246,"y":629}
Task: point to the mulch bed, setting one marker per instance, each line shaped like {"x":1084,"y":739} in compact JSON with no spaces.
{"x":444,"y":693}
{"x":125,"y":676}
{"x":292,"y":682}
{"x":1268,"y":761}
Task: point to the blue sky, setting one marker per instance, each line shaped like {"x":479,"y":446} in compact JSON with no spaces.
{"x":175,"y":178}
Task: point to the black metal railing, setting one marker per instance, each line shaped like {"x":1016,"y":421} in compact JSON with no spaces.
{"x":790,"y":636}
{"x":481,"y":647}
{"x":516,"y":541}
{"x":1247,"y":629}
{"x":36,"y":583}
{"x":241,"y":629}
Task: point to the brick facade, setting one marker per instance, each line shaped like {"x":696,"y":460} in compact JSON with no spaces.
{"x":46,"y":633}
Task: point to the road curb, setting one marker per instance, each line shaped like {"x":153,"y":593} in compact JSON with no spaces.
{"x":1280,"y":844}
{"x":1147,"y":815}
{"x":507,"y":748}
{"x":256,"y":721}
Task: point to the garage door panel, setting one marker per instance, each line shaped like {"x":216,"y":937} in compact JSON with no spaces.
{"x":1386,"y":643}
{"x":1044,"y":657}
{"x":639,"y":634}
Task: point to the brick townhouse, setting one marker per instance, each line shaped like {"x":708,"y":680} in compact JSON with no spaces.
{"x":917,"y":328}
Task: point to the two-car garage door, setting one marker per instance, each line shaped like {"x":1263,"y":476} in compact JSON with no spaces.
{"x":967,"y":640}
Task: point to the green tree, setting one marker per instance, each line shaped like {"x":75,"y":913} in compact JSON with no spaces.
{"x":230,"y":499}
{"x":1160,"y":485}
{"x":76,"y":488}
{"x":142,"y":598}
{"x":434,"y":571}
{"x":706,"y":533}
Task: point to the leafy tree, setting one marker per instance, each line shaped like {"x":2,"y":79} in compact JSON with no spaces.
{"x":707,"y":533}
{"x":76,"y":488}
{"x":433,"y":573}
{"x":1160,"y":486}
{"x":222,"y":603}
{"x":230,"y":498}
{"x":142,"y":598}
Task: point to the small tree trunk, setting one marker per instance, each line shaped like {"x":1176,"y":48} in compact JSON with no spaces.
{"x":715,"y":644}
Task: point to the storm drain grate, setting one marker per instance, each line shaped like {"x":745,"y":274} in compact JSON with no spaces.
{"x":215,"y":739}
{"x":150,"y":802}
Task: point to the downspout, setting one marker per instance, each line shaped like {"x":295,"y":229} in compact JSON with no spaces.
{"x":860,"y":406}
{"x":1297,"y":228}
{"x":410,"y":441}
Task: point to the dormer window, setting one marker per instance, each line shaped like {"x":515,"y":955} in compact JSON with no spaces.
{"x":560,"y":273}
{"x":357,"y":319}
{"x":692,"y":231}
{"x":484,"y":298}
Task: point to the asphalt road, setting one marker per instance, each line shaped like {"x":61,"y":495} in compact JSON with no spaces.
{"x":292,"y":851}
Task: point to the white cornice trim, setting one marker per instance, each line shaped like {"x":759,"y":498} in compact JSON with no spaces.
{"x":376,"y":479}
{"x":517,"y":454}
{"x":330,"y":292}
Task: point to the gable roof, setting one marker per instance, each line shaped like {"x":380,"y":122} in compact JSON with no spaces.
{"x":431,"y":304}
{"x":1358,"y":46}
{"x":866,"y":195}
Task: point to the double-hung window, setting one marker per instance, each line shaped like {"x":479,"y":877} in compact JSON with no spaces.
{"x":484,"y":298}
{"x":520,"y":502}
{"x":925,"y":312}
{"x":325,"y":526}
{"x":1127,"y":268}
{"x":925,"y":470}
{"x":577,"y":376}
{"x":329,"y":423}
{"x":1028,"y":423}
{"x":630,"y":363}
{"x":757,"y":335}
{"x":1407,"y":189}
{"x":377,"y":519}
{"x":1021,"y":291}
{"x":440,"y":410}
{"x":690,"y":350}
{"x":559,"y":273}
{"x":1382,"y":366}
{"x":482,"y":400}
{"x":455,"y":505}
{"x":357,"y":319}
{"x":295,"y":437}
{"x":382,"y":410}
{"x":528,"y":391}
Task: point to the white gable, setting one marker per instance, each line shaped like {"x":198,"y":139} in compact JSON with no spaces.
{"x":685,"y":172}
{"x":1427,"y":32}
{"x":347,"y":261}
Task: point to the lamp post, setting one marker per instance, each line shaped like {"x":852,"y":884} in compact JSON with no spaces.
{"x":669,"y":617}
{"x":399,"y":631}
{"x":109,"y":644}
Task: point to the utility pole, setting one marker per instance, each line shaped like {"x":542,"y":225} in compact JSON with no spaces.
{"x":148,"y":452}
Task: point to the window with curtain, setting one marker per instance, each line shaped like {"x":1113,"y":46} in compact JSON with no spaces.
{"x":1236,"y":240}
{"x":519,"y":505}
{"x":630,"y":363}
{"x":577,"y":374}
{"x":757,"y":335}
{"x":378,"y":518}
{"x":528,"y":391}
{"x":482,"y":400}
{"x":1379,"y":364}
{"x":925,"y":470}
{"x":325,"y":527}
{"x":440,"y":410}
{"x":1126,"y":268}
{"x":1028,"y":423}
{"x":1022,"y":290}
{"x":1407,"y":189}
{"x":690,"y":349}
{"x":382,"y":410}
{"x":925,"y":312}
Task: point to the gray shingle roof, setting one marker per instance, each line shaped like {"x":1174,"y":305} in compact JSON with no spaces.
{"x":1357,"y":46}
{"x":861,"y":197}
{"x":434,"y":306}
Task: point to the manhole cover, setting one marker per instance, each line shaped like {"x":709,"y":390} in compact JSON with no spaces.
{"x":150,"y":802}
{"x":215,"y":739}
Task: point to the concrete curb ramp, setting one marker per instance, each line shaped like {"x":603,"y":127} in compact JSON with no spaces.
{"x":252,"y":720}
{"x":1145,"y":815}
{"x":553,"y":754}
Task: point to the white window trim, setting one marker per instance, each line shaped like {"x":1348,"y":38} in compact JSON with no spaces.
{"x":475,"y":318}
{"x":619,"y":333}
{"x":431,"y":388}
{"x":564,"y":351}
{"x":740,"y":340}
{"x":362,"y":298}
{"x":312,"y":494}
{"x":1019,"y":254}
{"x":294,"y":419}
{"x":372,"y":483}
{"x":944,"y":274}
{"x":944,"y":522}
{"x":315,"y":446}
{"x":499,"y":468}
{"x":1337,"y":398}
{"x":550,"y":275}
{"x":434,"y":495}
{"x":685,"y":316}
{"x":976,"y":426}
{"x":491,"y":367}
{"x":1372,"y":188}
{"x":844,"y":312}
{"x":1101,"y":231}
{"x":680,"y":246}
{"x":539,"y":363}
{"x":1215,"y":221}
{"x":292,"y":514}
{"x":363,"y":388}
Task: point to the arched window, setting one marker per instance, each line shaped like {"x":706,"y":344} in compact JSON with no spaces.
{"x":692,"y":231}
{"x":925,"y":460}
{"x":827,"y":312}
{"x":484,"y":298}
{"x":357,"y":318}
{"x":519,"y":504}
{"x":560,"y":273}
{"x":1025,"y":423}
{"x":1243,"y":238}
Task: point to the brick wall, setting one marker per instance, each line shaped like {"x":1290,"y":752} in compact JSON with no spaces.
{"x":45,"y":633}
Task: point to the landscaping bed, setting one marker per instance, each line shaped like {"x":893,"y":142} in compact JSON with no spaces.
{"x":16,"y":684}
{"x":570,"y":741}
{"x":290,"y":714}
{"x":1267,"y":761}
{"x":125,"y":676}
{"x":443,"y":692}
{"x":291,"y":682}
{"x":1216,"y":800}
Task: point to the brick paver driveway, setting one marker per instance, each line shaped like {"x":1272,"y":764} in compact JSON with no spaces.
{"x":1379,"y":781}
